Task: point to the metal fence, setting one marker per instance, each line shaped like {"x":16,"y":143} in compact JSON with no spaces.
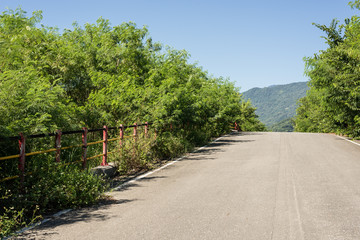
{"x":21,"y":138}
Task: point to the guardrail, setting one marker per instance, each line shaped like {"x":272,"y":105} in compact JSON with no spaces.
{"x":57,"y":149}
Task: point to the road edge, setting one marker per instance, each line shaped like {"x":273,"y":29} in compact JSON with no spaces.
{"x":348,"y":139}
{"x":122,"y":185}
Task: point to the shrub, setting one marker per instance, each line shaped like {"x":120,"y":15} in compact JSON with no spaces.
{"x":53,"y":188}
{"x":63,"y":187}
{"x":135,"y":155}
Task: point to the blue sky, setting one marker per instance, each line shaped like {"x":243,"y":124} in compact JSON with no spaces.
{"x":254,"y":43}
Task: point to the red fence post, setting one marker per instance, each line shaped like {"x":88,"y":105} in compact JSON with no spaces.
{"x":135,"y":131}
{"x":84,"y":147}
{"x":21,"y":165}
{"x":146,"y":128}
{"x":57,"y":145}
{"x":105,"y":139}
{"x":121,"y":134}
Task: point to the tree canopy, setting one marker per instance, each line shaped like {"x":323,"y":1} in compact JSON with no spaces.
{"x":98,"y":74}
{"x":333,"y":102}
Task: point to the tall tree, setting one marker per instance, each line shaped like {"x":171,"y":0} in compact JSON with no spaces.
{"x":333,"y":103}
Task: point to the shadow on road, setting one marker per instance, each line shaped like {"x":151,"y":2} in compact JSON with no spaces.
{"x":122,"y":186}
{"x":208,"y":151}
{"x":224,"y":142}
{"x":250,"y":133}
{"x":99,"y":213}
{"x":216,"y":146}
{"x":146,"y":179}
{"x":90,"y":214}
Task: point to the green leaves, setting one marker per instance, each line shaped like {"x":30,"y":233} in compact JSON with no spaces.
{"x":96,"y":75}
{"x":332,"y":104}
{"x":114,"y":74}
{"x":31,"y":104}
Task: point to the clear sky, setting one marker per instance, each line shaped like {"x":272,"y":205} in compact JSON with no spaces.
{"x":254,"y":43}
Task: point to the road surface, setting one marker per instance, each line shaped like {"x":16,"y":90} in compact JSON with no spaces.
{"x":244,"y":186}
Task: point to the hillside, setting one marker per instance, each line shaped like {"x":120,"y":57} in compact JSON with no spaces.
{"x":276,"y":103}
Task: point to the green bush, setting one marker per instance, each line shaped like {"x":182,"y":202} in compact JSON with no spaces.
{"x":12,"y":219}
{"x":169,"y":146}
{"x":93,"y":76}
{"x":47,"y":191}
{"x":134,"y":155}
{"x":143,"y":153}
{"x":63,"y":187}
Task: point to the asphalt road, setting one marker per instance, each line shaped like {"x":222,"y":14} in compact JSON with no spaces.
{"x":244,"y":186}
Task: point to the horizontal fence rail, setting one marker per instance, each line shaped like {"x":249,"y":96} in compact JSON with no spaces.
{"x":21,"y":138}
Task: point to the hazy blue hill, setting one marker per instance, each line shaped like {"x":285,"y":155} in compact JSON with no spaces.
{"x":276,"y":103}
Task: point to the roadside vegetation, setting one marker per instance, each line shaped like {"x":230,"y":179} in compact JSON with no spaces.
{"x":91,"y":76}
{"x":333,"y":102}
{"x":286,"y":125}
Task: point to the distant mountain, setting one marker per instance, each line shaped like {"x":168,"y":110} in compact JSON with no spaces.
{"x":277,"y":104}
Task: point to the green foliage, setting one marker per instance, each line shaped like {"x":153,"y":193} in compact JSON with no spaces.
{"x":142,"y":154}
{"x":29,"y":103}
{"x":134,"y":155}
{"x":334,"y":34}
{"x":333,"y":103}
{"x":286,"y":125}
{"x":12,"y":219}
{"x":99,"y":75}
{"x":354,"y":4}
{"x":311,"y":113}
{"x":276,"y":103}
{"x":248,"y":120}
{"x":52,"y":188}
{"x":62,"y":187}
{"x":168,"y":146}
